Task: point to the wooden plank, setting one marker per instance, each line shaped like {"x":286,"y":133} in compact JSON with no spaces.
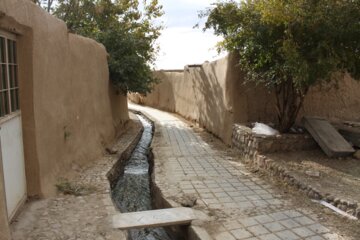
{"x":328,"y":138}
{"x":154,"y":218}
{"x":351,"y":134}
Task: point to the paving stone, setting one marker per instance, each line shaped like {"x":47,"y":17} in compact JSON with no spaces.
{"x":287,"y":235}
{"x":304,"y":220}
{"x":210,"y":200}
{"x":240,"y":199}
{"x":315,"y":238}
{"x":225,"y":199}
{"x":258,"y":230}
{"x":247,"y":222}
{"x":274,"y":226}
{"x":232,"y":225}
{"x":289,"y":223}
{"x":241,"y":233}
{"x":270,"y":236}
{"x":234,"y":194}
{"x":318,"y":228}
{"x":264,"y":219}
{"x":224,"y":236}
{"x":303,"y":232}
{"x":278,"y":216}
{"x":292,"y":213}
{"x":221,"y":194}
{"x":245,"y":204}
{"x":230,"y":205}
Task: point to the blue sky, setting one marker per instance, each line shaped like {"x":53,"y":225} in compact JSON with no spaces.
{"x":181,"y":44}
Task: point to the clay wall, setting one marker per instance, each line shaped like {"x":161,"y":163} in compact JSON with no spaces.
{"x":214,"y":95}
{"x":69,"y":110}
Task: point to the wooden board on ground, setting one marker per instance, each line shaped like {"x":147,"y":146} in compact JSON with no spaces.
{"x":350,"y":133}
{"x":154,"y":218}
{"x":328,"y":138}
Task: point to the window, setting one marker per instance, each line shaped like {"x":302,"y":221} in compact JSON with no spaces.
{"x":9,"y":84}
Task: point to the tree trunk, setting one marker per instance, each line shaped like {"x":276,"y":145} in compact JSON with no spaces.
{"x":289,"y":101}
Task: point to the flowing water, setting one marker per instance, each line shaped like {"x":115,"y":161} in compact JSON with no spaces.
{"x":132,"y":191}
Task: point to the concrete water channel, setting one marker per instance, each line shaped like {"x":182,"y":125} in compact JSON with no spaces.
{"x":132,"y":191}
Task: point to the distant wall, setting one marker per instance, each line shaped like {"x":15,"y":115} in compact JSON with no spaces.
{"x":202,"y":93}
{"x":69,"y":109}
{"x":214,"y":95}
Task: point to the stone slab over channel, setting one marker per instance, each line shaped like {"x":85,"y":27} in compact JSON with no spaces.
{"x":154,"y":218}
{"x":236,"y":204}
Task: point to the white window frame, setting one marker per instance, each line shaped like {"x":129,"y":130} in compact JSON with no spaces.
{"x":12,"y":113}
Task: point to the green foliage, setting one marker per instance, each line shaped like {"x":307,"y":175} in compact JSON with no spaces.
{"x":127,"y":32}
{"x":290,"y":45}
{"x":46,"y":4}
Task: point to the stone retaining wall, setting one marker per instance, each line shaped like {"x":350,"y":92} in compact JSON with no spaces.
{"x":251,"y":144}
{"x":253,"y":147}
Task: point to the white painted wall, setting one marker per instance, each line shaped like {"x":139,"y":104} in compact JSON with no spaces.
{"x":13,"y":163}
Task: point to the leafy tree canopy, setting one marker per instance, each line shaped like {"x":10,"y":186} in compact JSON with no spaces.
{"x":128,"y":33}
{"x":290,"y":45}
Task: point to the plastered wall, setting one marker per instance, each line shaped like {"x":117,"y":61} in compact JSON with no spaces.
{"x":202,"y":93}
{"x":69,"y":109}
{"x":214,"y":95}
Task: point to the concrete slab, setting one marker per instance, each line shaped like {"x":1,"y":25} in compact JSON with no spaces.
{"x":328,"y":138}
{"x":154,"y":218}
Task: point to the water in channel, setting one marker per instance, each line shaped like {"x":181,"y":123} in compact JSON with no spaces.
{"x":132,"y":191}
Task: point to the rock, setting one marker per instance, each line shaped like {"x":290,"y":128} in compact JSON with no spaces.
{"x":110,"y":151}
{"x":352,"y":205}
{"x":357,"y":154}
{"x":188,"y":202}
{"x":343,"y":207}
{"x":313,"y":173}
{"x":357,"y":214}
{"x":351,"y":211}
{"x":330,"y":198}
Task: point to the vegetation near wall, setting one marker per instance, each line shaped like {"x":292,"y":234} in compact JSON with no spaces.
{"x":214,"y":95}
{"x":289,"y":46}
{"x":127,"y":29}
{"x":69,"y":109}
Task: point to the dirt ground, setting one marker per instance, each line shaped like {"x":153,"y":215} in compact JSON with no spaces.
{"x":338,"y":177}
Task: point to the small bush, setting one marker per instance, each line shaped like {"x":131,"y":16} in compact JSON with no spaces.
{"x":69,"y":188}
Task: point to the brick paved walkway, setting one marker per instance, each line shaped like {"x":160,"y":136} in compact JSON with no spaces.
{"x":240,"y":205}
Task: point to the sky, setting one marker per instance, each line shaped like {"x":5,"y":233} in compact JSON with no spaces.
{"x":181,"y":44}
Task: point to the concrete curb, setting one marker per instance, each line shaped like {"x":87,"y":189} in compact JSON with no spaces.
{"x":114,"y":173}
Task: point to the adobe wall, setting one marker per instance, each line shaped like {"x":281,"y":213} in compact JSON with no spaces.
{"x":69,"y":110}
{"x":214,"y":94}
{"x":201,"y":93}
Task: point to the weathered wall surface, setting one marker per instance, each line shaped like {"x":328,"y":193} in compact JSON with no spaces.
{"x":214,"y":95}
{"x":338,"y":102}
{"x":202,"y":93}
{"x":69,"y":110}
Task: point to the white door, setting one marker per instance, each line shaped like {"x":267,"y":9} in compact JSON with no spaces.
{"x":13,"y":164}
{"x":12,"y":152}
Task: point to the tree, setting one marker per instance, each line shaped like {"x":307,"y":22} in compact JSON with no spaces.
{"x":127,"y":32}
{"x":290,"y":46}
{"x":46,"y":4}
